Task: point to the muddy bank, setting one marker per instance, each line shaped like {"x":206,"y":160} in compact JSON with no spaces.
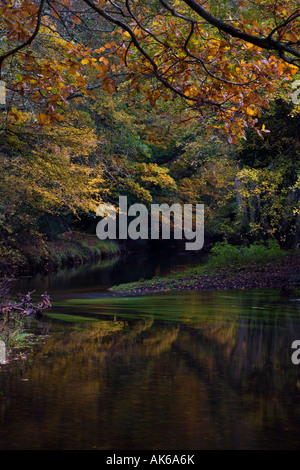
{"x":277,"y":275}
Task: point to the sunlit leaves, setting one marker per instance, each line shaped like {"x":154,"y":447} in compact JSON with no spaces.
{"x":170,"y":48}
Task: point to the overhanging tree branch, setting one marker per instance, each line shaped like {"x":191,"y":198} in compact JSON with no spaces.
{"x":139,"y":47}
{"x":283,"y":25}
{"x":266,"y":43}
{"x":29,"y":40}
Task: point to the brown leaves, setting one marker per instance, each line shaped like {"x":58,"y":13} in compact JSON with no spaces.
{"x":226,"y":76}
{"x":109,"y":85}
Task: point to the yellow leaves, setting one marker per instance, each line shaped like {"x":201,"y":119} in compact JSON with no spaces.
{"x":294,"y":69}
{"x":137,"y":190}
{"x":264,"y":128}
{"x":104,"y":60}
{"x":281,"y":9}
{"x":154,"y":174}
{"x":100,"y":50}
{"x":260,"y":131}
{"x":250,"y":111}
{"x":18,"y":116}
{"x":42,"y":119}
{"x":55,"y":182}
{"x":264,"y":188}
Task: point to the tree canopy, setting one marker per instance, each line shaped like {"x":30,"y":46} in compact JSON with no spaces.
{"x":161,"y":101}
{"x":221,"y":59}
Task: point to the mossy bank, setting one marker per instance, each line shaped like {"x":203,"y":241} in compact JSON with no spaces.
{"x":71,"y":248}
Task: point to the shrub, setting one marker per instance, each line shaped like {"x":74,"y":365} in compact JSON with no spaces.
{"x":234,"y":258}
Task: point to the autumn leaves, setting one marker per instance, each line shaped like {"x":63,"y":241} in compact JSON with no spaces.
{"x":52,"y":51}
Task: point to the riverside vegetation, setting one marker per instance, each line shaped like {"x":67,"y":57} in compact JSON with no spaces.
{"x":229,"y":267}
{"x":151,"y":102}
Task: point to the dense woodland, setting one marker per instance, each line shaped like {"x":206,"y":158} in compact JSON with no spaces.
{"x":162,"y":101}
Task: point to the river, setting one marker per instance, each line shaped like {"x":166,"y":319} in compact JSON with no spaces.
{"x":176,"y":371}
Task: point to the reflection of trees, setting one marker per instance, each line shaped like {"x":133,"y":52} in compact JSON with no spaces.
{"x":76,"y":374}
{"x":248,"y":364}
{"x":156,"y":385}
{"x":69,"y":277}
{"x":245,"y":347}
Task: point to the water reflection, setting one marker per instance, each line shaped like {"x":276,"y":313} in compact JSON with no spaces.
{"x":218,"y":375}
{"x":99,"y":277}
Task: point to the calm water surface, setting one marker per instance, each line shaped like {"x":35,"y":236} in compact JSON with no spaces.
{"x":178,"y":371}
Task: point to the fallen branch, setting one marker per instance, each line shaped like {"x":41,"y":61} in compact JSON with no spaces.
{"x":25,"y":306}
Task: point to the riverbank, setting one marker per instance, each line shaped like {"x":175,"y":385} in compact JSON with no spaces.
{"x":271,"y":271}
{"x":70,"y":249}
